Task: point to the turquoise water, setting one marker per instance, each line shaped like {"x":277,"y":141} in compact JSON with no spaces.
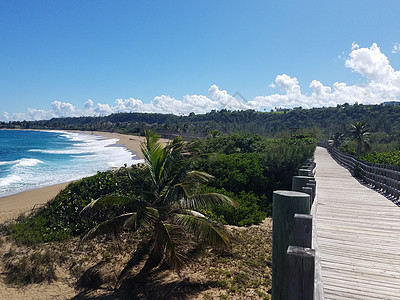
{"x":33,"y":159}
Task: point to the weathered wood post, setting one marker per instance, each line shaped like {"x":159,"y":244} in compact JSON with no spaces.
{"x":312,"y":184}
{"x":304,"y":172}
{"x":308,"y":191}
{"x":300,"y":266}
{"x":299,"y":181}
{"x":302,"y":230}
{"x":285,"y":205}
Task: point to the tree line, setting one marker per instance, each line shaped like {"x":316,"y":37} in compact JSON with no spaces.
{"x":321,"y":122}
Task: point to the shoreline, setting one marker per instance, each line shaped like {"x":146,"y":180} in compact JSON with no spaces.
{"x":130,"y":142}
{"x":11,"y":206}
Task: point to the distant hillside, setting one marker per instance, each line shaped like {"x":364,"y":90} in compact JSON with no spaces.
{"x":319,"y":121}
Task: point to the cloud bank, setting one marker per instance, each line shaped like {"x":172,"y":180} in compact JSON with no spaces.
{"x":382,"y":84}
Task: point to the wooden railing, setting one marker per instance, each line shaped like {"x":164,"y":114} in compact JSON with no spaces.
{"x":384,"y":178}
{"x":293,"y":259}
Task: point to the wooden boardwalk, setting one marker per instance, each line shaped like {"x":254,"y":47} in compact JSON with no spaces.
{"x":358,"y":235}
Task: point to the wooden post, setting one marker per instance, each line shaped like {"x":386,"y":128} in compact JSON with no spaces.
{"x":302,"y":230}
{"x":285,"y":205}
{"x":304,"y":172}
{"x":299,"y":181}
{"x":308,"y":190}
{"x":312,"y":185}
{"x":300,"y":273}
{"x":308,"y":167}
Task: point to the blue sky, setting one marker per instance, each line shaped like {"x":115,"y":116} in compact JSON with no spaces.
{"x":69,"y":58}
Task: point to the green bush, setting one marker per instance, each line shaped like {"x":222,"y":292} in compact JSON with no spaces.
{"x":59,"y":219}
{"x":247,"y":213}
{"x":386,"y":158}
{"x":248,"y":168}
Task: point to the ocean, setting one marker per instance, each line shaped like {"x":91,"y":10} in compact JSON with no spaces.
{"x":34,"y":159}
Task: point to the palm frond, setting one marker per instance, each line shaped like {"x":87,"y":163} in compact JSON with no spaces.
{"x":168,"y":238}
{"x":153,"y":152}
{"x":186,"y":187}
{"x":208,"y":230}
{"x":206,"y":200}
{"x":201,"y":177}
{"x":194,"y":180}
{"x":112,"y":200}
{"x":163,"y":163}
{"x":109,"y":226}
{"x":145,"y":218}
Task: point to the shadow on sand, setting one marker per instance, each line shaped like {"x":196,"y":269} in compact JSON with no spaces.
{"x":154,"y":286}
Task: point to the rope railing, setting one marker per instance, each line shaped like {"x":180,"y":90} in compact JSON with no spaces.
{"x":384,"y":178}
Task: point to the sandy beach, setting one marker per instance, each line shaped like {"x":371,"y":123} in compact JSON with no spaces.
{"x":12,"y":206}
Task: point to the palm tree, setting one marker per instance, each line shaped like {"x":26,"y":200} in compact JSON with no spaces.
{"x":215,"y":133}
{"x":166,"y":204}
{"x":361,"y":136}
{"x":337,"y":139}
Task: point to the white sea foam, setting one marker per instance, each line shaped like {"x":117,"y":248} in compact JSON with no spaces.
{"x":67,"y":151}
{"x":27,"y":162}
{"x":84,"y":155}
{"x":23,"y":162}
{"x":4,"y":182}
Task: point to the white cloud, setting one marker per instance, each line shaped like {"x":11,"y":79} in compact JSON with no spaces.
{"x":224,"y":100}
{"x":319,"y":89}
{"x":103,"y":109}
{"x":63,"y":109}
{"x":382,"y":83}
{"x":88,"y":104}
{"x":199,"y":103}
{"x":371,"y":63}
{"x":396,"y":48}
{"x":288,"y":84}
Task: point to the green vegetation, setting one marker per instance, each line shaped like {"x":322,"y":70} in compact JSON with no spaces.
{"x":360,"y":134}
{"x":59,"y":219}
{"x":387,"y":158}
{"x":384,"y":119}
{"x":246,"y":168}
{"x":169,"y":193}
{"x":375,"y":147}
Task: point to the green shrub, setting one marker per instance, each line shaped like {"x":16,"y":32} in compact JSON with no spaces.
{"x":59,"y":219}
{"x":387,"y":158}
{"x":247,"y":213}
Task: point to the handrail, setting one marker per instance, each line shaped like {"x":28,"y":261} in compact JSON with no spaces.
{"x":384,"y":178}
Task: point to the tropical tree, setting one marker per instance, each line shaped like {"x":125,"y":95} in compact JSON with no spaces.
{"x":215,"y":133}
{"x":337,"y":139}
{"x":361,"y":135}
{"x":168,"y":196}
